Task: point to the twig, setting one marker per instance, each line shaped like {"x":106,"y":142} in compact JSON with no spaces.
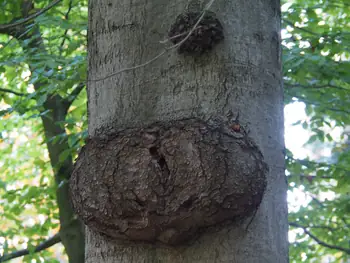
{"x":206,"y":8}
{"x":66,"y":17}
{"x":131,"y":68}
{"x":44,"y":245}
{"x":176,"y":36}
{"x":318,"y":241}
{"x":25,"y":20}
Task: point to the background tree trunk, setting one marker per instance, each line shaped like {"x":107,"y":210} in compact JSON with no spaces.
{"x":241,"y":74}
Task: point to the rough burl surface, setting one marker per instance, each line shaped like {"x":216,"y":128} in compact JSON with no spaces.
{"x":204,"y":37}
{"x":167,"y":182}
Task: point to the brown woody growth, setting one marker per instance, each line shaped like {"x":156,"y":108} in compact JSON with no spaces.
{"x":167,"y":182}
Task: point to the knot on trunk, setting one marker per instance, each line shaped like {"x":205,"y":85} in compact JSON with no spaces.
{"x":168,"y":181}
{"x":207,"y":33}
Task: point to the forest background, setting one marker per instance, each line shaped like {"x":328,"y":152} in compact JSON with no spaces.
{"x":42,"y":95}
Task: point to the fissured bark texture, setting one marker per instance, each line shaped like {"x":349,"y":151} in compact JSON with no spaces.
{"x":168,"y":181}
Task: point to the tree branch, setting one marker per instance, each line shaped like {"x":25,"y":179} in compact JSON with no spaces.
{"x":44,"y":245}
{"x":309,"y":178}
{"x":25,"y":20}
{"x":69,"y":100}
{"x":314,"y":86}
{"x":76,"y":92}
{"x":13,"y":92}
{"x":308,"y":163}
{"x":325,"y":227}
{"x":318,"y":241}
{"x":300,"y":28}
{"x":301,"y":99}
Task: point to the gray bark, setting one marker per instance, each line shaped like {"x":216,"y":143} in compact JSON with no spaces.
{"x":241,"y":74}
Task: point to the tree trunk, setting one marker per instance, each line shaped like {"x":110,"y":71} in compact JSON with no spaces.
{"x":241,"y":74}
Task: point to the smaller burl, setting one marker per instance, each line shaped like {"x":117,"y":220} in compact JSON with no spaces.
{"x":167,"y":182}
{"x":207,"y":33}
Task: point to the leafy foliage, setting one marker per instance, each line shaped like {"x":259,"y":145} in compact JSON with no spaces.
{"x":316,"y":41}
{"x":32,"y":74}
{"x":47,"y":60}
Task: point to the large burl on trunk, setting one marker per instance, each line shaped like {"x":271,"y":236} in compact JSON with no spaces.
{"x":169,"y":181}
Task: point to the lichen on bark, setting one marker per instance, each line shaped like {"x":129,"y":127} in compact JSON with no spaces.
{"x":167,"y":182}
